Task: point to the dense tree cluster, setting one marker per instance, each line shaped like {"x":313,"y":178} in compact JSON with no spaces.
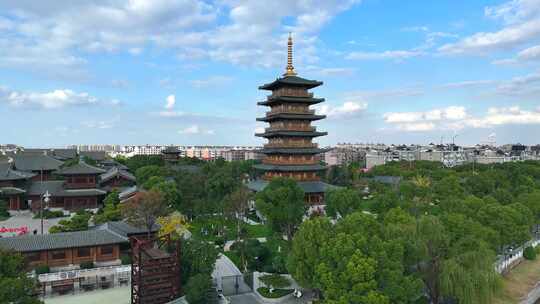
{"x":437,"y":231}
{"x":15,"y":285}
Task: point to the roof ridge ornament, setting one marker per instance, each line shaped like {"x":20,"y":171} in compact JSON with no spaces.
{"x":290,"y":68}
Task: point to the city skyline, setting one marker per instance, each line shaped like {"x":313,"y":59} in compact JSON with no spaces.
{"x":187,"y":72}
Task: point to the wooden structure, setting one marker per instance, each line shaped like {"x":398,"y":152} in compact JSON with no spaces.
{"x":155,"y":273}
{"x":171,"y":154}
{"x":290,"y":151}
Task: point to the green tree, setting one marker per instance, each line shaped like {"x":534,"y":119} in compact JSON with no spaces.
{"x":198,"y":257}
{"x":237,"y":204}
{"x":143,"y":174}
{"x":144,"y":209}
{"x":282,"y":203}
{"x":4,"y":214}
{"x":342,"y":202}
{"x":78,"y":222}
{"x":111,"y":209}
{"x":197,"y":288}
{"x":305,"y":253}
{"x":15,"y":285}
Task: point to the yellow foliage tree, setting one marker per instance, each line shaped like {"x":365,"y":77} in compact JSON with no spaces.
{"x":174,"y":224}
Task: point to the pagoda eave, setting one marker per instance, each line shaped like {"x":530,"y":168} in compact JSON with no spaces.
{"x":291,"y":134}
{"x":311,"y":117}
{"x":293,"y":150}
{"x":291,"y":81}
{"x":290,"y":99}
{"x":289,"y":168}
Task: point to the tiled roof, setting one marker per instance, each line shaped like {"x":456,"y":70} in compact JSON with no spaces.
{"x":113,"y":172}
{"x":27,"y":243}
{"x":8,"y":174}
{"x":292,"y":133}
{"x":124,"y":229}
{"x":291,"y":116}
{"x":80,"y":168}
{"x":291,"y":81}
{"x":290,"y":99}
{"x":35,"y":162}
{"x":95,"y":155}
{"x":80,"y":192}
{"x":308,"y":187}
{"x":289,"y":168}
{"x":292,"y":150}
{"x":54,"y":187}
{"x":171,"y":149}
{"x":11,"y":191}
{"x":128,"y":192}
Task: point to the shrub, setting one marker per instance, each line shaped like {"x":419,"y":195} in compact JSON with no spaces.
{"x":197,"y":289}
{"x":87,"y":265}
{"x":47,"y":214}
{"x":219,"y":242}
{"x":276,"y":293}
{"x":3,"y":209}
{"x":126,"y":259}
{"x":275,"y":281}
{"x":529,"y":253}
{"x":42,"y":269}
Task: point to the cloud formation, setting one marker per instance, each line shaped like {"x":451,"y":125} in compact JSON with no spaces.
{"x":47,"y":100}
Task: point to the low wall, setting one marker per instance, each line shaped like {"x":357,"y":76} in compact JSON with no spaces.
{"x":532,"y":296}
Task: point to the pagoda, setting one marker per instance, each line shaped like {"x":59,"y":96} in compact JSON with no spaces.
{"x":290,"y":151}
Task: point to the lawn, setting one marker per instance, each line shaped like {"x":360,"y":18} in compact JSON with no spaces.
{"x":213,"y":224}
{"x":518,"y":282}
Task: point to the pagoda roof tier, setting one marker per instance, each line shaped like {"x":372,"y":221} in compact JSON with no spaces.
{"x":8,"y":174}
{"x":289,"y":99}
{"x":81,"y":168}
{"x":289,"y":81}
{"x":308,"y":186}
{"x":291,"y":116}
{"x":11,"y":191}
{"x":171,"y":150}
{"x":292,"y":151}
{"x":291,"y":133}
{"x":289,"y":168}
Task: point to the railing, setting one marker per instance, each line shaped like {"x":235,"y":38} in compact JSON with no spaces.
{"x":291,"y":145}
{"x":279,"y":93}
{"x":291,"y":128}
{"x":290,"y":162}
{"x":280,"y":110}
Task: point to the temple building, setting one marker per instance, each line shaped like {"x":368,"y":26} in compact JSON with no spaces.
{"x":290,"y":151}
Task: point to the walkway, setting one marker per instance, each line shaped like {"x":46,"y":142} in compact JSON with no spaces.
{"x":25,"y":219}
{"x":118,"y":295}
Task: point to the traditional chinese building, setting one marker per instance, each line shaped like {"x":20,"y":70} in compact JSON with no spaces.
{"x":41,"y":164}
{"x":171,"y":154}
{"x":13,"y":185}
{"x":116,"y":178}
{"x":290,"y":151}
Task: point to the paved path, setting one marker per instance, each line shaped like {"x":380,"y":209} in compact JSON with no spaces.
{"x":25,"y":219}
{"x":225,"y":267}
{"x":117,"y":295}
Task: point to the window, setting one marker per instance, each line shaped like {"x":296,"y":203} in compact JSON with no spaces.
{"x":58,"y":255}
{"x":33,"y":256}
{"x":83,"y":252}
{"x":106,"y":250}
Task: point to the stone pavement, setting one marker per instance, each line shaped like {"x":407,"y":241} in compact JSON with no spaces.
{"x":24,"y":219}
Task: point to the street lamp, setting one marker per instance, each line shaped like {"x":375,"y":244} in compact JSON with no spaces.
{"x":46,"y":198}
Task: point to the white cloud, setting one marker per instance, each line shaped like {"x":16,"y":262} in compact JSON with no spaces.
{"x":211,"y":82}
{"x":195,"y":129}
{"x":170,"y":101}
{"x":456,"y":118}
{"x":521,"y":26}
{"x":527,"y":55}
{"x":347,"y":108}
{"x":98,"y":124}
{"x":47,"y":100}
{"x":398,"y":55}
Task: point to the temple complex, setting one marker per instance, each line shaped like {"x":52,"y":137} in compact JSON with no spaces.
{"x":290,"y":151}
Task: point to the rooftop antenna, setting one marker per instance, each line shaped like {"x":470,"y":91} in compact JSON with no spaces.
{"x":290,"y":68}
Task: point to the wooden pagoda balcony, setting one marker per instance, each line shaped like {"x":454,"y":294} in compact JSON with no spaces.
{"x":290,"y":93}
{"x":290,"y":162}
{"x":291,"y":128}
{"x":298,"y":177}
{"x":282,"y":110}
{"x":291,"y":145}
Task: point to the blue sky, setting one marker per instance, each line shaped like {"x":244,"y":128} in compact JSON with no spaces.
{"x":187,"y":71}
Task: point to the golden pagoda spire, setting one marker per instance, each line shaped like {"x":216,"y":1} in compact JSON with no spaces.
{"x":290,"y":68}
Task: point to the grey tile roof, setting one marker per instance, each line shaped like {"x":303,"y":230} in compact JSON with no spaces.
{"x":7,"y":173}
{"x":54,"y":187}
{"x":291,"y":81}
{"x":171,"y":149}
{"x":287,"y":168}
{"x":290,"y":99}
{"x":291,"y":117}
{"x":115,"y":171}
{"x":37,"y":162}
{"x":80,"y":192}
{"x":292,"y":133}
{"x":11,"y":191}
{"x":124,"y":229}
{"x":27,"y":243}
{"x":308,"y":187}
{"x":128,"y":192}
{"x":80,"y":168}
{"x":95,"y":155}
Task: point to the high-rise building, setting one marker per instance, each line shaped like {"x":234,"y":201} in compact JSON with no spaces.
{"x":290,"y":151}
